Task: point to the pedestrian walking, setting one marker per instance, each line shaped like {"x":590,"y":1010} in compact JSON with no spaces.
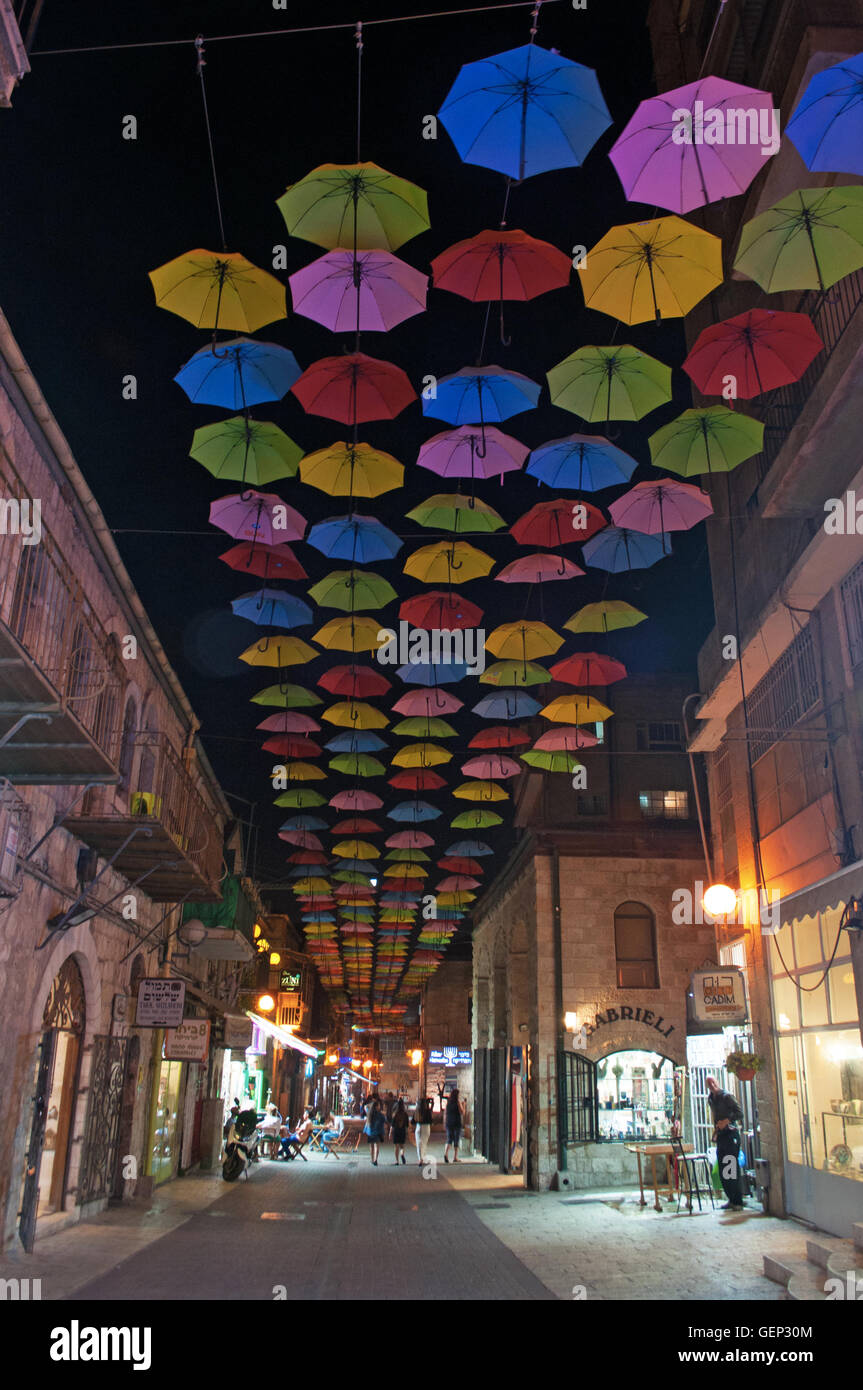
{"x":373,"y":1128}
{"x":727,"y":1116}
{"x":400,"y":1120}
{"x":454,"y":1120}
{"x":422,"y":1125}
{"x":389,"y":1107}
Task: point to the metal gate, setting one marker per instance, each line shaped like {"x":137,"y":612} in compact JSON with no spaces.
{"x":102,"y":1127}
{"x":578,"y":1105}
{"x":30,"y":1194}
{"x":490,"y":1105}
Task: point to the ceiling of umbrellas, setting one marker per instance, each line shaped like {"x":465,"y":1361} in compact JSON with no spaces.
{"x":390,"y":810}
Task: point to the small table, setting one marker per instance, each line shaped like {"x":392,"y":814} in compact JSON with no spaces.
{"x":654,"y":1151}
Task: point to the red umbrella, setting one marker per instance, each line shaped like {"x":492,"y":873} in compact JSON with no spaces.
{"x":354,"y":682}
{"x":353,"y":389}
{"x":437,"y":609}
{"x":294,"y":746}
{"x":356,"y":825}
{"x":289,"y":722}
{"x":308,"y":856}
{"x":499,"y":264}
{"x":499,"y":736}
{"x":461,"y":864}
{"x":761,"y":349}
{"x":266,"y":561}
{"x":281,"y":744}
{"x":538,"y":569}
{"x":420,"y":780}
{"x":589,"y":668}
{"x":561,"y":522}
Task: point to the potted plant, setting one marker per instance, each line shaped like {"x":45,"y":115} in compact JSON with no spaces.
{"x":744,"y":1065}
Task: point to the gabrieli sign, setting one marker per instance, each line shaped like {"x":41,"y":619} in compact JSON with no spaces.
{"x":450,"y":1057}
{"x":160,"y":1003}
{"x":626,"y":1014}
{"x":289,"y":981}
{"x":188,"y":1043}
{"x":718,"y":996}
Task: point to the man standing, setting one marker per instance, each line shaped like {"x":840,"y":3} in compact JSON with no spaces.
{"x":727,"y":1115}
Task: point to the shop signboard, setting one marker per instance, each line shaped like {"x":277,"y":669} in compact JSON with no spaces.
{"x":290,"y":980}
{"x":238,"y":1031}
{"x":188,"y":1043}
{"x":160,"y":1003}
{"x":450,"y":1057}
{"x":718,"y":996}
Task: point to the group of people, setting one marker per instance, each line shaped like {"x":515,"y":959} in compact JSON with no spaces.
{"x":387,"y":1117}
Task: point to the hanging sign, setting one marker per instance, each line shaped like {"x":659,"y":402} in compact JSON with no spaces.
{"x":188,"y":1043}
{"x":238,"y":1031}
{"x":160,"y":1003}
{"x":290,"y":980}
{"x":450,"y":1057}
{"x":718,"y":996}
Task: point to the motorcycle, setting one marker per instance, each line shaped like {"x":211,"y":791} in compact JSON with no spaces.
{"x":241,"y":1149}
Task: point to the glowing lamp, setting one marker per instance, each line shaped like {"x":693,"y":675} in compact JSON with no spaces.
{"x":275,"y":958}
{"x":571,"y":1022}
{"x":416,"y":1057}
{"x":266,"y":1004}
{"x":719,"y":900}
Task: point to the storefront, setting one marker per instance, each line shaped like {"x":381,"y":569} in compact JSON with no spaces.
{"x":816,"y":1029}
{"x":635,"y":1093}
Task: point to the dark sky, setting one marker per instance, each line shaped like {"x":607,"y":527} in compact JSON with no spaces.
{"x":86,"y":214}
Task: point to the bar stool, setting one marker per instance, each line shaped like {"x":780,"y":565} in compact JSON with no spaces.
{"x":691,"y":1165}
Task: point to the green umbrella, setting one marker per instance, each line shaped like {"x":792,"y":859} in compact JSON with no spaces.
{"x":351,"y":590}
{"x":711,"y":439}
{"x":806,"y":241}
{"x":610,"y":383}
{"x":408,"y":856}
{"x":300,"y":797}
{"x":356,"y":206}
{"x":421,"y":727}
{"x":476,"y":820}
{"x":287,"y":697}
{"x":357,"y":765}
{"x":515,"y":673}
{"x":251,"y":451}
{"x":450,"y":511}
{"x":550,"y":762}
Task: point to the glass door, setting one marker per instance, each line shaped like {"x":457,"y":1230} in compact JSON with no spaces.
{"x":166,"y":1133}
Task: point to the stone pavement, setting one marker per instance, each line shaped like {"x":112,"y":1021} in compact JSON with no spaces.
{"x":340,"y":1229}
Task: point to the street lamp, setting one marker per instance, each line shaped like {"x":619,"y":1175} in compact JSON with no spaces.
{"x":719,"y":900}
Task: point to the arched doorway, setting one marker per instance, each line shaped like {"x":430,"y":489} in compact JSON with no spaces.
{"x":635,"y":1092}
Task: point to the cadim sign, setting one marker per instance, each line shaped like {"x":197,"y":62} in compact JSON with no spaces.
{"x":719,"y":996}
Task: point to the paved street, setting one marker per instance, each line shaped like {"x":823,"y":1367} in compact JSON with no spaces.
{"x":341,"y":1229}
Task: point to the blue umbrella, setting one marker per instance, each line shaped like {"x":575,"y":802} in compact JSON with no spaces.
{"x":304,"y":823}
{"x":825,"y":124}
{"x":359,"y":866}
{"x":481,"y":396}
{"x":469,"y":849}
{"x":300,"y":871}
{"x":584,"y":462}
{"x":525,"y":111}
{"x":618,"y":549}
{"x":414,"y":811}
{"x":318,"y":919}
{"x":360,"y":539}
{"x":399,"y":899}
{"x":356,"y":741}
{"x":443,"y":674}
{"x":238,"y":373}
{"x":272,"y":608}
{"x":507,"y":704}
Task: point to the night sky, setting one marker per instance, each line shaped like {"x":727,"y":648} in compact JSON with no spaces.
{"x":86,"y":214}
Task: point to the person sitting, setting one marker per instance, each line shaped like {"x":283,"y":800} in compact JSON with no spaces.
{"x":270,"y":1125}
{"x":334,"y":1130}
{"x":299,"y":1136}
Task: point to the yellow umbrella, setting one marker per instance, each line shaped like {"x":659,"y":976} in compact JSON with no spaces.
{"x":448,"y":562}
{"x":405,"y":871}
{"x":455,"y":899}
{"x":605,"y":616}
{"x":219,"y":289}
{"x":356,"y":849}
{"x":523,"y":640}
{"x":355,"y":714}
{"x":351,"y":470}
{"x":481,"y":791}
{"x":651,"y":270}
{"x":351,"y":634}
{"x":421,"y":755}
{"x":576,"y":708}
{"x":299,"y":772}
{"x":279,"y":651}
{"x":311,"y":885}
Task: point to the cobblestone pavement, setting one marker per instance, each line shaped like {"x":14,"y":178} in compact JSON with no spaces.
{"x":340,"y":1229}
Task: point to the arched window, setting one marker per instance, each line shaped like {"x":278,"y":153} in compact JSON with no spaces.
{"x":635,"y":947}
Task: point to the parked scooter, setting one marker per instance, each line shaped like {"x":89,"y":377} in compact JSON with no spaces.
{"x":241,"y":1148}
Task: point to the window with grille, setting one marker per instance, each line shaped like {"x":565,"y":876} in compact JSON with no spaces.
{"x":635,"y":947}
{"x":671,"y":805}
{"x":851,"y":594}
{"x":664,"y":736}
{"x":786,"y":693}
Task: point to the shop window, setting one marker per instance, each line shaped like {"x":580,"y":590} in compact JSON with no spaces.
{"x":672,"y":805}
{"x":635,"y":1093}
{"x":635,"y":947}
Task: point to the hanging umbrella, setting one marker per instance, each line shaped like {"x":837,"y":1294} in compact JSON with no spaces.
{"x":619,"y":549}
{"x":566,"y":739}
{"x":472,"y":451}
{"x":661,"y":506}
{"x":480,"y":791}
{"x":421,"y":755}
{"x":515,"y":673}
{"x":418,"y":781}
{"x":606,"y":616}
{"x":300,"y":771}
{"x":289,"y":697}
{"x":356,"y":800}
{"x":453,"y":562}
{"x":461,"y":864}
{"x":427,"y":673}
{"x":434,"y":701}
{"x":355,"y":714}
{"x":354,"y":205}
{"x":451,"y":511}
{"x":481,"y":396}
{"x":299,"y":797}
{"x":610,"y":383}
{"x":711,"y":439}
{"x":556,"y":523}
{"x":413,"y":811}
{"x":251,"y":451}
{"x":501,"y":264}
{"x":279,"y":651}
{"x":356,"y":849}
{"x":360,"y":539}
{"x":436,"y":609}
{"x":523,"y":640}
{"x":351,"y":470}
{"x":355,"y":741}
{"x":353,"y":589}
{"x":491,"y":767}
{"x":356,"y":825}
{"x":219,"y":289}
{"x":272,"y":608}
{"x":455,"y":883}
{"x":369,"y":292}
{"x":538,"y":569}
{"x":551,"y":762}
{"x":499,"y":736}
{"x":584,"y":462}
{"x":651,"y":270}
{"x":662,"y":156}
{"x":354,"y":389}
{"x":356,"y":682}
{"x":283,"y":745}
{"x":589,"y":668}
{"x":476,"y":820}
{"x":303,"y":823}
{"x":424,"y":727}
{"x":525,"y":111}
{"x":478,"y":849}
{"x":825,"y":123}
{"x":238,"y":373}
{"x":806,"y":241}
{"x":577,"y":708}
{"x":410,"y":839}
{"x":761,"y":349}
{"x":355,"y":633}
{"x":265,"y":561}
{"x":507,"y":704}
{"x":257,"y":516}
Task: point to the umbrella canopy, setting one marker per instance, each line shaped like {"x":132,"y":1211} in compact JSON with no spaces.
{"x":357,"y":206}
{"x":432,"y":701}
{"x":491,"y":766}
{"x":219,"y":289}
{"x":238,"y":373}
{"x":351,"y":470}
{"x":265,"y":561}
{"x":651,"y":270}
{"x":499,"y":736}
{"x":538,"y":569}
{"x":410,"y":839}
{"x":424,"y":727}
{"x":355,"y":825}
{"x":257,"y":517}
{"x":279,"y":651}
{"x":806,"y":241}
{"x":577,"y":708}
{"x":619,"y":549}
{"x":610,"y":383}
{"x":356,"y":849}
{"x":560,"y":522}
{"x":664,"y":505}
{"x":272,"y":608}
{"x":481,"y":395}
{"x":421,"y":780}
{"x":589,"y":668}
{"x":355,"y":741}
{"x":475,"y":820}
{"x":501,"y":264}
{"x":360,"y":539}
{"x":356,"y":682}
{"x":355,"y":714}
{"x":515,"y":672}
{"x":289,"y":724}
{"x":451,"y":511}
{"x":435,"y":673}
{"x":825,"y":123}
{"x":357,"y":765}
{"x":288,"y":745}
{"x":584,"y":462}
{"x":550,"y":761}
{"x":525,"y":111}
{"x":298,"y":797}
{"x":356,"y":800}
{"x":372,"y":291}
{"x":298,"y":771}
{"x":353,"y":389}
{"x":472,"y":452}
{"x":251,"y":451}
{"x":453,"y":562}
{"x":507,"y":704}
{"x":663,"y":157}
{"x":761,"y":349}
{"x":351,"y":590}
{"x":710,"y":439}
{"x":355,"y":633}
{"x":289,"y":697}
{"x":303,"y":823}
{"x":436,"y":609}
{"x":566,"y":739}
{"x":523,"y":640}
{"x":477,"y":849}
{"x":480,"y":791}
{"x":413,"y":811}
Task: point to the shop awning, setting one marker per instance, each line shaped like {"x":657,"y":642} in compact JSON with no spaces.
{"x":282,"y":1035}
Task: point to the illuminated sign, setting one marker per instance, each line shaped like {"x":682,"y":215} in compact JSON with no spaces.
{"x":719,"y":996}
{"x":290,"y":980}
{"x":450,"y":1057}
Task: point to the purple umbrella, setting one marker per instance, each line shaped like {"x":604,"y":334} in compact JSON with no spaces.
{"x":686,"y":172}
{"x":257,"y":516}
{"x":464,"y":453}
{"x":373,"y":291}
{"x":665,"y":505}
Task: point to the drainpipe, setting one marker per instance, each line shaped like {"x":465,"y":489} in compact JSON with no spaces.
{"x":559,"y":1030}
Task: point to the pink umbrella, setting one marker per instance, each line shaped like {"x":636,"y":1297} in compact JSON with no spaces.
{"x":493,"y":765}
{"x":472,"y":451}
{"x":455,"y":882}
{"x":665,"y":505}
{"x":566,"y":739}
{"x":373,"y":291}
{"x":427,"y":700}
{"x":257,"y":516}
{"x":304,"y":838}
{"x":356,"y":800}
{"x":409,"y":839}
{"x":682,"y":174}
{"x":538,"y":569}
{"x":288,"y":722}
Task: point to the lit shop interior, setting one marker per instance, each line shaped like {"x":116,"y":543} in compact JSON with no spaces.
{"x":636,"y":1096}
